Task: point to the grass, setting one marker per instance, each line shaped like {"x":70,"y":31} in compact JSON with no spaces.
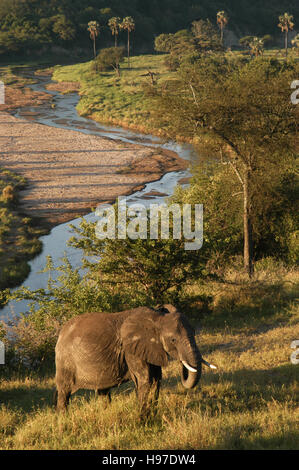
{"x":121,"y":101}
{"x":109,"y":99}
{"x":18,"y":235}
{"x":249,"y":402}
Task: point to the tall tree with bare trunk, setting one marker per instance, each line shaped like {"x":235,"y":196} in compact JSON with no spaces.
{"x":222,"y":20}
{"x":114,"y":24}
{"x":94,"y":30}
{"x":128,"y":24}
{"x":286,"y":24}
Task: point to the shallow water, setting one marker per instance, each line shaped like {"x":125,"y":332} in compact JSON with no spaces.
{"x":64,"y":115}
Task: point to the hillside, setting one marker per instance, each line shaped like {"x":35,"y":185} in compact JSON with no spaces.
{"x":30,"y":26}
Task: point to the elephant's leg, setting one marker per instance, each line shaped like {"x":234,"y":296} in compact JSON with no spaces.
{"x":143,"y":392}
{"x":155,"y":375}
{"x":147,"y":382}
{"x":64,"y":386}
{"x":63,"y":397}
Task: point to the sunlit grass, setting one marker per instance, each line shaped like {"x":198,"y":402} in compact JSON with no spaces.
{"x":107,"y":98}
{"x":18,"y":236}
{"x":249,"y":402}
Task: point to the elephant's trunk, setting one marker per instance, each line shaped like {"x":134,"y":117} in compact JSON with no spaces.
{"x":190,"y":379}
{"x":191,"y":368}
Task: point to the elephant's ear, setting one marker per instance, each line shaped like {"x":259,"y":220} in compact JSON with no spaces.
{"x":141,"y":337}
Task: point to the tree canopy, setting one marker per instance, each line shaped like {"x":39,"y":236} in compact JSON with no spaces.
{"x":242,"y":112}
{"x":28,"y":24}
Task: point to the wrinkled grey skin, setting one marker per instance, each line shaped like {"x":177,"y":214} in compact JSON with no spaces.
{"x":101,"y":350}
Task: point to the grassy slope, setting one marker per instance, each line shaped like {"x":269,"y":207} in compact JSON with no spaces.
{"x":121,"y":101}
{"x":18,"y":237}
{"x":107,"y":98}
{"x":248,"y":403}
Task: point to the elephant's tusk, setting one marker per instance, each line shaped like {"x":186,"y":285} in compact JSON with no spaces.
{"x":208,"y":364}
{"x":189,"y":367}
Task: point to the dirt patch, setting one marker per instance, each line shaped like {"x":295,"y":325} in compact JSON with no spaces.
{"x":64,"y":87}
{"x":18,"y":97}
{"x":70,"y":173}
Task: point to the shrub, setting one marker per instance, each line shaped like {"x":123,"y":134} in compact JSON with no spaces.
{"x":110,"y":59}
{"x":8,"y":194}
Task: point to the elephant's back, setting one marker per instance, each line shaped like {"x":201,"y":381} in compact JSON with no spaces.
{"x":87,"y":327}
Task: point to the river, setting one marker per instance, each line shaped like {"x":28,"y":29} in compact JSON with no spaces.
{"x":64,"y":115}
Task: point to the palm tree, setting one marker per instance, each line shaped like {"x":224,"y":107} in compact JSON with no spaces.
{"x":114,"y":24}
{"x":222,"y":20}
{"x":128,"y":24}
{"x":256,"y":46}
{"x":94,"y":29}
{"x":286,"y":24}
{"x":295,"y":42}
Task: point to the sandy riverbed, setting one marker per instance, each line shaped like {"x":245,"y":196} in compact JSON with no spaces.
{"x":70,"y":172}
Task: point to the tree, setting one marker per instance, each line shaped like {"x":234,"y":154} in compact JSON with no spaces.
{"x":129,"y":25}
{"x":110,"y":58}
{"x":164,"y":42}
{"x":242,"y":112}
{"x":146,"y":271}
{"x":63,"y":27}
{"x":295,"y":42}
{"x":114,"y":24}
{"x":94,"y":29}
{"x":206,"y":36}
{"x":256,"y":46}
{"x":222,"y":20}
{"x":286,"y":24}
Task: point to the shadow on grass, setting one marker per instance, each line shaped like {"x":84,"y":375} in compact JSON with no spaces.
{"x":255,"y":306}
{"x":32,"y":396}
{"x":240,"y":391}
{"x":243,"y":438}
{"x":27,"y":398}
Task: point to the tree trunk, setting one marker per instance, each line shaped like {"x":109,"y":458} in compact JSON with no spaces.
{"x":94,"y":48}
{"x":248,"y":251}
{"x":128,"y":49}
{"x":286,"y":43}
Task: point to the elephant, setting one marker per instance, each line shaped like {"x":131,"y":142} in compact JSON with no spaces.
{"x":99,"y":351}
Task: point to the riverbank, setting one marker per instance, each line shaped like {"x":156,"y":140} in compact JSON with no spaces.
{"x":109,"y":99}
{"x":17,"y":92}
{"x":70,"y":172}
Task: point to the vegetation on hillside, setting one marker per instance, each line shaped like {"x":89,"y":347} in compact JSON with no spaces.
{"x":18,"y":237}
{"x":28,"y":26}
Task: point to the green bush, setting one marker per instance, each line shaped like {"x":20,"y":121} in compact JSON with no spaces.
{"x":8,"y":194}
{"x":110,"y":59}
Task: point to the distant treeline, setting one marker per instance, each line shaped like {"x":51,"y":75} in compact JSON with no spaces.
{"x":29,"y":26}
